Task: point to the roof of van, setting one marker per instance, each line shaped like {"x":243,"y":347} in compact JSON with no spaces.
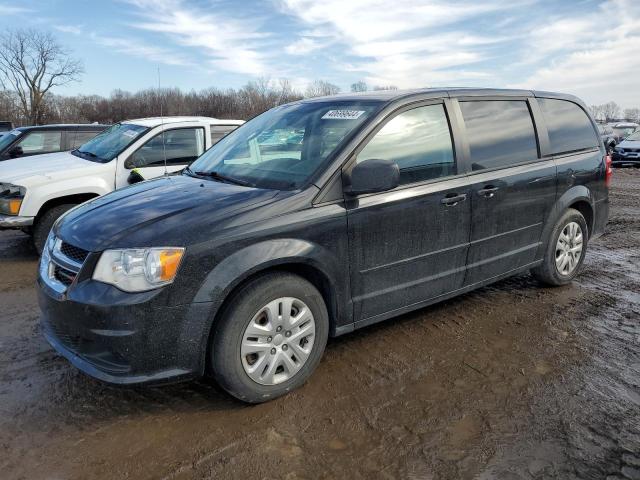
{"x":155,"y":121}
{"x":392,"y":95}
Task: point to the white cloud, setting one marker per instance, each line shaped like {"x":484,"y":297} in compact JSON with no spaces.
{"x":404,"y":43}
{"x":225,"y":42}
{"x":73,"y":29}
{"x":594,"y":56}
{"x":136,"y":48}
{"x":12,"y":10}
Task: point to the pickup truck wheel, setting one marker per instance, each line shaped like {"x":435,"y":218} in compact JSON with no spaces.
{"x":270,"y":338}
{"x":565,"y":251}
{"x":44,"y":222}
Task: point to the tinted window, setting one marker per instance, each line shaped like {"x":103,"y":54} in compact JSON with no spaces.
{"x":419,"y":141}
{"x":180,"y":147}
{"x":41,"y":142}
{"x":569,"y":126}
{"x":82,"y":137}
{"x":500,"y":133}
{"x":220,"y":131}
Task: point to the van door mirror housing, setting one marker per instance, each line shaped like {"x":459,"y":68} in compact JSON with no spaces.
{"x":372,"y":176}
{"x":16,"y":152}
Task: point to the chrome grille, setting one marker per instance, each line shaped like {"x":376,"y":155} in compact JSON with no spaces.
{"x":74,"y":253}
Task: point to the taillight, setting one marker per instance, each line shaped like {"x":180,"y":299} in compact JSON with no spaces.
{"x":608,"y":170}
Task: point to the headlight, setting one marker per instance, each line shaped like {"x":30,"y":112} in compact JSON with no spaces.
{"x":11,"y":197}
{"x":138,"y":269}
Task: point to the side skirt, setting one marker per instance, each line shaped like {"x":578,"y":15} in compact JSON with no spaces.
{"x":416,"y":306}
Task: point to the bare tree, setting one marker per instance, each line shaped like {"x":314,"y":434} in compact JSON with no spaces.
{"x":632,"y":114}
{"x":321,"y":88}
{"x":32,"y":63}
{"x":597,"y":112}
{"x":611,"y":111}
{"x":359,"y":86}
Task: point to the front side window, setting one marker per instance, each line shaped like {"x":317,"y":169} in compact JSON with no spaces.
{"x":500,"y":133}
{"x":570,"y":129}
{"x":419,"y":141}
{"x":286,"y":146}
{"x":41,"y":142}
{"x":110,"y":142}
{"x":179,"y":147}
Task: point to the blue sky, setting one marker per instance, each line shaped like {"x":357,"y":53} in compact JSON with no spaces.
{"x":586,"y":47}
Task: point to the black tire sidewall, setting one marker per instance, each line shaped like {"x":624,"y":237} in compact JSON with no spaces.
{"x":225,"y":357}
{"x":569,"y":216}
{"x":44,"y":223}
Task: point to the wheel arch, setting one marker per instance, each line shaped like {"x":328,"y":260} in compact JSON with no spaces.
{"x":578,"y":197}
{"x":305,"y":259}
{"x":66,"y":199}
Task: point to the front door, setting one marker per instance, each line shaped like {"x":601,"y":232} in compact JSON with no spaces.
{"x":175,"y":147}
{"x":409,"y":245}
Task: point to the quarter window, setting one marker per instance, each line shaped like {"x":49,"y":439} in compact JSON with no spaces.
{"x":181,"y":147}
{"x":419,"y":141}
{"x":500,"y":133}
{"x":569,"y":126}
{"x":41,"y":142}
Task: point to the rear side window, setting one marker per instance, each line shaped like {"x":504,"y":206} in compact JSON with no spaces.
{"x":218,"y":132}
{"x":82,"y":137}
{"x":500,"y":133}
{"x":569,"y":126}
{"x":419,"y":141}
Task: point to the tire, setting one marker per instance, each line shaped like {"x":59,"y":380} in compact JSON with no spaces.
{"x":240,"y":373}
{"x":550,"y":273}
{"x":44,"y":222}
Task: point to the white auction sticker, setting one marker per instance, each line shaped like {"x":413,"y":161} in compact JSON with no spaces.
{"x":15,"y":132}
{"x":130,"y":133}
{"x":342,"y":114}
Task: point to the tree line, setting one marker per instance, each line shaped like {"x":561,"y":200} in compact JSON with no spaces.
{"x":611,"y":111}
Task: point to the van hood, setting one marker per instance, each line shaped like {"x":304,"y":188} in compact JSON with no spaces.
{"x":167,"y":211}
{"x":629,"y":144}
{"x":37,"y":169}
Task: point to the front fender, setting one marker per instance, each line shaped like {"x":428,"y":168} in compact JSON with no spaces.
{"x":38,"y":196}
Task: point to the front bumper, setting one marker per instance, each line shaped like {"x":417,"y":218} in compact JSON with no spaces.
{"x":123,"y":339}
{"x":13,"y":221}
{"x":619,"y":159}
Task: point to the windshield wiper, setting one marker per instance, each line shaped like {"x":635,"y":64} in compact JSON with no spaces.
{"x":223,"y":178}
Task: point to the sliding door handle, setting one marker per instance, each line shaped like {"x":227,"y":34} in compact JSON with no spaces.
{"x":452,"y":199}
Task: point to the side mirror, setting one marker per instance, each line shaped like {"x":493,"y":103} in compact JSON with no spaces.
{"x":372,"y":176}
{"x":16,"y":152}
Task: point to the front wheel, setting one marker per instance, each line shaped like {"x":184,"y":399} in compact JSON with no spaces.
{"x":270,"y":338}
{"x":44,"y":222}
{"x":566,"y":250}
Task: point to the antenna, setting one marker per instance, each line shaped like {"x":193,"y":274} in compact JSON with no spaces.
{"x":164,"y":150}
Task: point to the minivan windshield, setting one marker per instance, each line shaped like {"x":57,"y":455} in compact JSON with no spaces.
{"x":284,"y":147}
{"x":110,"y":143}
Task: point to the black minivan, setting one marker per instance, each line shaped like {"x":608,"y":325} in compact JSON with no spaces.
{"x":316,"y":218}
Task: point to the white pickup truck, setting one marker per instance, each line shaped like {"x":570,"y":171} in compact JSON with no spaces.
{"x":35,"y":191}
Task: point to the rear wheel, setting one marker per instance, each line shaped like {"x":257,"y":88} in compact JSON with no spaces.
{"x":270,"y":338}
{"x":44,"y":222}
{"x":565,"y":251}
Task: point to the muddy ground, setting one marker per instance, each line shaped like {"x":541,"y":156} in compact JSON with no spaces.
{"x":513,"y":381}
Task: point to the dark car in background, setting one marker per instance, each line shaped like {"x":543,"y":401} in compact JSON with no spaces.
{"x":317,"y":218}
{"x":627,"y":153}
{"x":608,"y":136}
{"x":623,"y":129}
{"x":5,"y":127}
{"x":27,"y":141}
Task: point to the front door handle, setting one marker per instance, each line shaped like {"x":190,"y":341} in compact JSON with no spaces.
{"x":488,"y":191}
{"x":452,"y":199}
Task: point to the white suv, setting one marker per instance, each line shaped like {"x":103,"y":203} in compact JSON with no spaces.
{"x":35,"y":191}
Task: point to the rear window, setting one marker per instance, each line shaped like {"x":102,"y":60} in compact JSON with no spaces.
{"x":570,"y":129}
{"x":500,"y":133}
